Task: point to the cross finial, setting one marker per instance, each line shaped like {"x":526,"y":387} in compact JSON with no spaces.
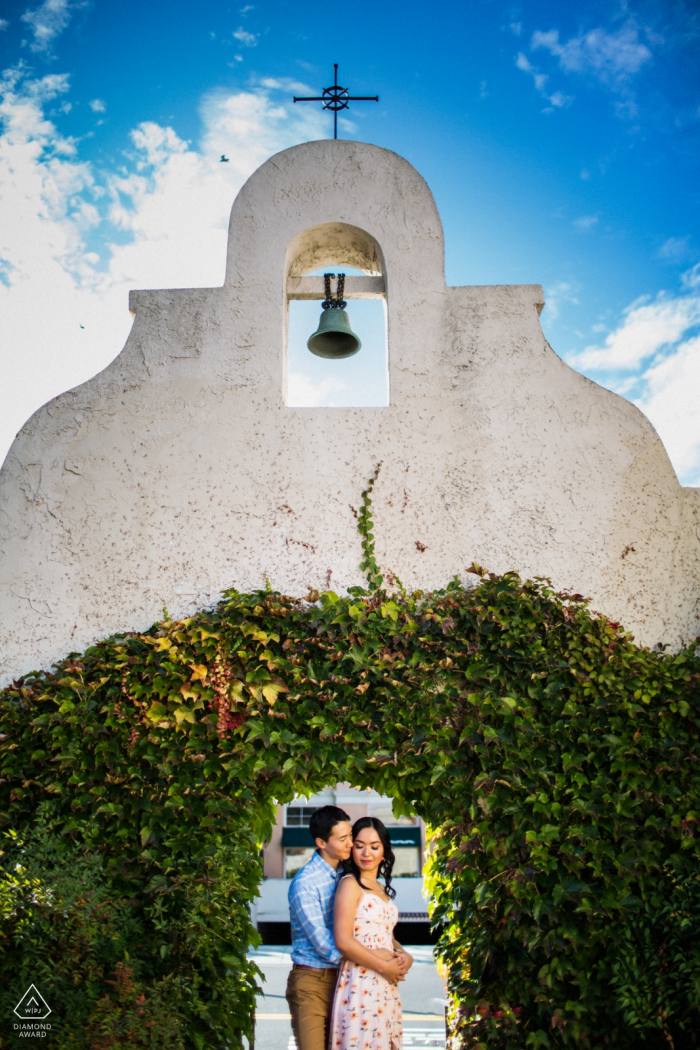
{"x":336,"y":97}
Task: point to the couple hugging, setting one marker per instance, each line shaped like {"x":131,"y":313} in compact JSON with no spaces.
{"x":342,"y":990}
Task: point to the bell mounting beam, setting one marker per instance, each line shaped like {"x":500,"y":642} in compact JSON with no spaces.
{"x":336,"y":98}
{"x":355,"y":288}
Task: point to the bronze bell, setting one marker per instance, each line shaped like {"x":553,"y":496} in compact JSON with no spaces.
{"x":334,"y":337}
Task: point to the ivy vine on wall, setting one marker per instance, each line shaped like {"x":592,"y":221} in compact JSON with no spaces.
{"x":555,"y":761}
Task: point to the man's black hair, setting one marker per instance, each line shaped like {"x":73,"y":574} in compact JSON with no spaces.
{"x":324,"y":820}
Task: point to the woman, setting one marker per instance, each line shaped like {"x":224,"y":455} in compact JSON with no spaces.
{"x":367,"y":1008}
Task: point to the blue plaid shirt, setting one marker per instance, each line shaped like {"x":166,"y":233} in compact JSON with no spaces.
{"x":311,"y":897}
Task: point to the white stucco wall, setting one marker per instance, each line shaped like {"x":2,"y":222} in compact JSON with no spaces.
{"x":179,"y":471}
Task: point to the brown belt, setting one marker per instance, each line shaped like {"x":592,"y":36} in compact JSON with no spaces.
{"x":315,"y":969}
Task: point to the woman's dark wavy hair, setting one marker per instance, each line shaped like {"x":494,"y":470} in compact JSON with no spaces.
{"x":387,"y":865}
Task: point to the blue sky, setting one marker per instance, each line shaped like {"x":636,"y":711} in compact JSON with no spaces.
{"x":560,"y":142}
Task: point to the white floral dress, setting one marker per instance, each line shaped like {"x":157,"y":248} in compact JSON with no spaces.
{"x":367,"y":1007}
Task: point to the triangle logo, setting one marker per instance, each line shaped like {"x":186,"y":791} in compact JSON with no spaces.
{"x":32,"y":1006}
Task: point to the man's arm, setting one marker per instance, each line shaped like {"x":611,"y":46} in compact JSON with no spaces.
{"x":306,"y":902}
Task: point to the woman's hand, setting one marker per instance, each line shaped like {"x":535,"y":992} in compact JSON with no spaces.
{"x":401,"y":951}
{"x":391,"y":965}
{"x":404,"y":960}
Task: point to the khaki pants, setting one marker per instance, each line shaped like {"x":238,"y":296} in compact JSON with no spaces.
{"x":310,"y":996}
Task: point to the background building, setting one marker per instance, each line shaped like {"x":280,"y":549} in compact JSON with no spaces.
{"x":291,"y":846}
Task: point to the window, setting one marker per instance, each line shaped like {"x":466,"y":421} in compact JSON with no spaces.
{"x":295,"y":857}
{"x":407,"y":863}
{"x":299,"y":816}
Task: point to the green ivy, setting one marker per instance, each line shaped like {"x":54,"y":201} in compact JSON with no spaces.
{"x":128,"y":966}
{"x":657,"y":972}
{"x":59,"y":928}
{"x":554,"y":760}
{"x":365,"y":525}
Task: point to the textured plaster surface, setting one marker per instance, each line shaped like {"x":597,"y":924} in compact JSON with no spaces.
{"x":179,"y":471}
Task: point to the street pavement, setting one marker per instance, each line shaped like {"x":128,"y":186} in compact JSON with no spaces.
{"x":422,"y":997}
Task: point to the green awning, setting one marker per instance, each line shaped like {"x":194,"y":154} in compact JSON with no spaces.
{"x":297,"y":837}
{"x":404,"y":836}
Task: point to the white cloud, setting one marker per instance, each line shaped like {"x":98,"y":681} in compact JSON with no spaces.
{"x":46,"y":195}
{"x":626,"y":109}
{"x":672,"y":402}
{"x":585,"y":222}
{"x":612,"y":57}
{"x":348,"y":126}
{"x":284,"y":84}
{"x":4,"y":23}
{"x":48,"y":21}
{"x":653,"y":357}
{"x":558,"y":293}
{"x":256,"y":125}
{"x":557,"y":99}
{"x":305,"y":392}
{"x":647,"y":328}
{"x":64,"y":306}
{"x":691,"y":278}
{"x":675,"y":249}
{"x":97,"y":106}
{"x":249,"y":39}
{"x":523,"y":62}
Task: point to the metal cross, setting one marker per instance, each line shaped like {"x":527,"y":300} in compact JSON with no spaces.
{"x":336,"y":97}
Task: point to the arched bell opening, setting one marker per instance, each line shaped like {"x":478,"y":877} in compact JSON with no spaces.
{"x":336,"y":244}
{"x":349,"y":369}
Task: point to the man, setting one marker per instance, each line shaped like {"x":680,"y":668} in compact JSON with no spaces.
{"x":315,"y":958}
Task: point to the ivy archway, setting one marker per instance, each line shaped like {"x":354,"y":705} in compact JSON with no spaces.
{"x":555,"y":761}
